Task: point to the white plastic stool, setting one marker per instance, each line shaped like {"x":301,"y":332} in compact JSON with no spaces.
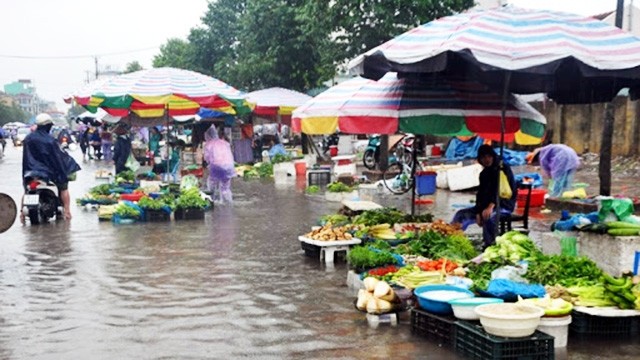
{"x":327,"y":252}
{"x":375,"y":320}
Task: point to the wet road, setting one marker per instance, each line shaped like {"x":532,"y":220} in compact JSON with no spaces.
{"x":234,"y":286}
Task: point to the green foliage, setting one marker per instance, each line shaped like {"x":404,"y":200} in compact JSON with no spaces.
{"x":127,"y":212}
{"x":156,"y":204}
{"x":127,"y":176}
{"x":102,"y":189}
{"x":313,"y":189}
{"x":133,"y":67}
{"x":362,"y":257}
{"x":279,"y":158}
{"x":296,"y":44}
{"x":563,"y":270}
{"x":190,"y":198}
{"x":11,"y":113}
{"x":338,"y":187}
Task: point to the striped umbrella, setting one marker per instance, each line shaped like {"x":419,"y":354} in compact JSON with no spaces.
{"x":149,"y":93}
{"x":573,"y":59}
{"x":436,"y":106}
{"x":275,"y":101}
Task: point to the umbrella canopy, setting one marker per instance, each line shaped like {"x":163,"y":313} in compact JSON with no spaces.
{"x":149,"y":93}
{"x":436,"y":106}
{"x":573,"y":59}
{"x":275,"y":101}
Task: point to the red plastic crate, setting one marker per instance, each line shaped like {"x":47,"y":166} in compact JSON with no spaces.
{"x":132,"y":197}
{"x":537,"y":197}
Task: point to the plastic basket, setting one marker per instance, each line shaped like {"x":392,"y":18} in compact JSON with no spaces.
{"x":156,"y":215}
{"x":318,"y":177}
{"x":188,"y":214}
{"x":537,"y":197}
{"x":441,"y":329}
{"x":473,"y":342}
{"x":426,"y":182}
{"x":584,"y":325}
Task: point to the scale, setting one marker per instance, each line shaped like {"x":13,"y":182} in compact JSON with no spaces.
{"x":8,"y":212}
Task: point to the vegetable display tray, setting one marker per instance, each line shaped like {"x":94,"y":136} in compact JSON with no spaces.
{"x":156,"y":215}
{"x":584,"y":325}
{"x":189,"y":214}
{"x":441,"y":329}
{"x":473,"y":342}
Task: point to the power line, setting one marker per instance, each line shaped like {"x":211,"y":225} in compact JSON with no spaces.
{"x":75,"y":56}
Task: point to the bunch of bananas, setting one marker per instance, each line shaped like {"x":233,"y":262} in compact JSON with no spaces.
{"x":329,"y":233}
{"x":381,"y":231}
{"x":619,"y":290}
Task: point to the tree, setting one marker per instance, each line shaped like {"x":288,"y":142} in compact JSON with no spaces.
{"x":133,"y":67}
{"x":75,"y":110}
{"x":175,"y":53}
{"x":11,"y":113}
{"x":362,"y":25}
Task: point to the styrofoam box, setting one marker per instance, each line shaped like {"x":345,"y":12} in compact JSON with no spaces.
{"x":349,"y":169}
{"x":464,"y":178}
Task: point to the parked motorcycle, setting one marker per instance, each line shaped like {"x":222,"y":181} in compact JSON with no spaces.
{"x":328,"y":141}
{"x":403,"y":151}
{"x":41,"y":201}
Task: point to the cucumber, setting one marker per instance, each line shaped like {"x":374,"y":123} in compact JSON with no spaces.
{"x":623,"y":231}
{"x":622,"y":225}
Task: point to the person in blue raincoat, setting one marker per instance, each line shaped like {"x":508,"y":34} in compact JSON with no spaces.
{"x":43,"y":157}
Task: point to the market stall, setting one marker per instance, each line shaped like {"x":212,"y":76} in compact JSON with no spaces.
{"x":510,"y":298}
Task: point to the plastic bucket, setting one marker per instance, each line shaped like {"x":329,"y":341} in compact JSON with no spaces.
{"x":426,"y":182}
{"x":558,"y":327}
{"x":436,"y":150}
{"x":301,"y":168}
{"x":333,"y":150}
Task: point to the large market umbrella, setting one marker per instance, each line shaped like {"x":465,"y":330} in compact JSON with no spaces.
{"x":573,"y":59}
{"x":435,"y":106}
{"x":275,"y":101}
{"x":159,"y":92}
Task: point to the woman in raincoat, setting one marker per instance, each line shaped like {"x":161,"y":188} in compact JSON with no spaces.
{"x":218,"y":155}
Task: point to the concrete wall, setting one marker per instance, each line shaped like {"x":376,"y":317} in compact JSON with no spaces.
{"x":580,"y":126}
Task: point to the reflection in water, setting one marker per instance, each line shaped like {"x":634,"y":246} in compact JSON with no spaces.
{"x":236,"y":285}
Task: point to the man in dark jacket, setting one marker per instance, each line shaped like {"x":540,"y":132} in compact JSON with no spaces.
{"x":483,"y":212}
{"x":122,"y":147}
{"x":42,"y":157}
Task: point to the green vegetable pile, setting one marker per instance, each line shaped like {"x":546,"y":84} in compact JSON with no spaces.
{"x":513,"y":246}
{"x":127,"y":176}
{"x":313,"y":189}
{"x":190,"y":198}
{"x":563,"y":270}
{"x":102,"y":189}
{"x":279,"y":158}
{"x":362,"y":257}
{"x":435,"y":245}
{"x":126,"y":212}
{"x":156,"y":204}
{"x":334,"y":219}
{"x":338,"y":187}
{"x":380,"y":216}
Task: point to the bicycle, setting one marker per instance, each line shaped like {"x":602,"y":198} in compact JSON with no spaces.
{"x":399,"y":176}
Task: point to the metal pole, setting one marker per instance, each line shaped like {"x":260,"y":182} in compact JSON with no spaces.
{"x":414,"y":159}
{"x":503,"y":114}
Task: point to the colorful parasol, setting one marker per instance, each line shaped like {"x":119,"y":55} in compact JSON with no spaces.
{"x":275,"y":101}
{"x":436,"y":106}
{"x":164,"y":91}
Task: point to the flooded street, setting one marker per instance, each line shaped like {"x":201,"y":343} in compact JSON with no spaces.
{"x":237,"y":285}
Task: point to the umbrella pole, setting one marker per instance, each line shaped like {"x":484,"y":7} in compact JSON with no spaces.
{"x":414,"y":159}
{"x":505,"y":97}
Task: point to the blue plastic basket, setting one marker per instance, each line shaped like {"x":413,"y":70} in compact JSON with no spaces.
{"x":425,"y":182}
{"x":436,"y":306}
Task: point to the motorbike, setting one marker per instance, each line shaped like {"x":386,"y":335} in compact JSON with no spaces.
{"x":41,"y":201}
{"x":328,"y":141}
{"x":403,"y":151}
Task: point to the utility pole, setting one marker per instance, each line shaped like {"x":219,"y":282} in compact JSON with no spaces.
{"x":95,"y":60}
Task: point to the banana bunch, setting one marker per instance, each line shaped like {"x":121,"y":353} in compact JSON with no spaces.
{"x":619,"y":290}
{"x":382,"y":231}
{"x":329,"y":233}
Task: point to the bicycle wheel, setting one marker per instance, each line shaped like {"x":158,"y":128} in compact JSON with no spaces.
{"x":397,"y":178}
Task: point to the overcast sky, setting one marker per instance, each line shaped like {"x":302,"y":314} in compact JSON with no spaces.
{"x":55,"y":42}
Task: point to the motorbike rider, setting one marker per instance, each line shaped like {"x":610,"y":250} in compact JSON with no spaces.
{"x":42,"y":155}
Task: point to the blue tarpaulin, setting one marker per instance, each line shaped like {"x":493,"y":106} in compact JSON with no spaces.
{"x":460,"y":150}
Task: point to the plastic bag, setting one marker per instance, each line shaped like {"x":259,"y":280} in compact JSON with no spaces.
{"x":505,"y":188}
{"x":619,"y":208}
{"x":510,"y":290}
{"x":568,"y":246}
{"x":508,"y":272}
{"x":132,"y":164}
